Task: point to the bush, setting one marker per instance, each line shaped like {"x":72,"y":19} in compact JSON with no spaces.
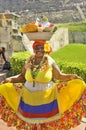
{"x":17,"y":62}
{"x":71,"y":59}
{"x":79,"y":69}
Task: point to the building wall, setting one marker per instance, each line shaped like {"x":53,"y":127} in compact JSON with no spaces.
{"x":9,"y":38}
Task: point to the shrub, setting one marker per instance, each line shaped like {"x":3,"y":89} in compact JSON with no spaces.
{"x":71,"y":59}
{"x":79,"y":69}
{"x":17,"y":62}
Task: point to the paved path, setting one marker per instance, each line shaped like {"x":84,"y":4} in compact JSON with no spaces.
{"x":4,"y":127}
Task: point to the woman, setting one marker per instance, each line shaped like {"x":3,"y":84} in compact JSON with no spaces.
{"x":40,"y":103}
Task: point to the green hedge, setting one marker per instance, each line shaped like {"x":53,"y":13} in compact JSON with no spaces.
{"x":72,"y":59}
{"x":67,"y":62}
{"x":78,"y":69}
{"x":68,"y":68}
{"x":17,"y":62}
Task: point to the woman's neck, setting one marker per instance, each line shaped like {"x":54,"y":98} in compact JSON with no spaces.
{"x":38,"y":60}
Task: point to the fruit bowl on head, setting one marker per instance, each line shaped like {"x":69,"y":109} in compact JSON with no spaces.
{"x":39,"y":36}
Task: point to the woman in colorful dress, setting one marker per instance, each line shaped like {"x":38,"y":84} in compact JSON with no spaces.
{"x":40,"y":103}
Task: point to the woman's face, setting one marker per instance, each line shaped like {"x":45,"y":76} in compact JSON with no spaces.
{"x":39,"y":50}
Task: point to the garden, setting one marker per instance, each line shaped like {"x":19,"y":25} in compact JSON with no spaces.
{"x":70,"y":59}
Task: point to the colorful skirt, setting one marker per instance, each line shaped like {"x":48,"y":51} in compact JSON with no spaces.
{"x":51,"y":109}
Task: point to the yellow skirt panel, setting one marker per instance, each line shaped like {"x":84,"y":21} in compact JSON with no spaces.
{"x":66,"y":97}
{"x":40,"y":97}
{"x":10,"y":94}
{"x":71,"y":93}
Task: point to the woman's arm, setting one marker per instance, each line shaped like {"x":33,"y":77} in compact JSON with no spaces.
{"x":61,"y":76}
{"x":18,"y":78}
{"x":3,"y":55}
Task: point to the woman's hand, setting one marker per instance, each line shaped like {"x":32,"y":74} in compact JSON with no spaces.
{"x":8,"y":80}
{"x":61,"y":84}
{"x":74,"y":76}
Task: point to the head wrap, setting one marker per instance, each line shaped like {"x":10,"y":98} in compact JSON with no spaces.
{"x":47,"y":47}
{"x":38,"y":42}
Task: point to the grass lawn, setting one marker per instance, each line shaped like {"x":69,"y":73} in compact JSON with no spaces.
{"x":78,"y":26}
{"x":72,"y":53}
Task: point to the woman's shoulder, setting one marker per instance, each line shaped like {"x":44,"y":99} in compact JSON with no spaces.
{"x":50,"y":59}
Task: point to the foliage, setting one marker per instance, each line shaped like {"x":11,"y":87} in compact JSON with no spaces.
{"x":17,"y":62}
{"x":71,"y":53}
{"x":70,"y":59}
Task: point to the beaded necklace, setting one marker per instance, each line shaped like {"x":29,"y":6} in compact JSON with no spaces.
{"x":35,"y":68}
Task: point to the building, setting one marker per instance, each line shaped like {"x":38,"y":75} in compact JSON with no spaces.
{"x":10,"y":38}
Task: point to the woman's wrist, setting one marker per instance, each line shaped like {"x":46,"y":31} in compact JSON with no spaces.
{"x":8,"y":80}
{"x":74,"y":76}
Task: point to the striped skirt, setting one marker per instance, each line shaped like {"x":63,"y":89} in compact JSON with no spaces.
{"x":49,"y":109}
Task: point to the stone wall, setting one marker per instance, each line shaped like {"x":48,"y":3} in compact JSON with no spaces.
{"x":59,"y":39}
{"x":77,"y":37}
{"x":54,"y":9}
